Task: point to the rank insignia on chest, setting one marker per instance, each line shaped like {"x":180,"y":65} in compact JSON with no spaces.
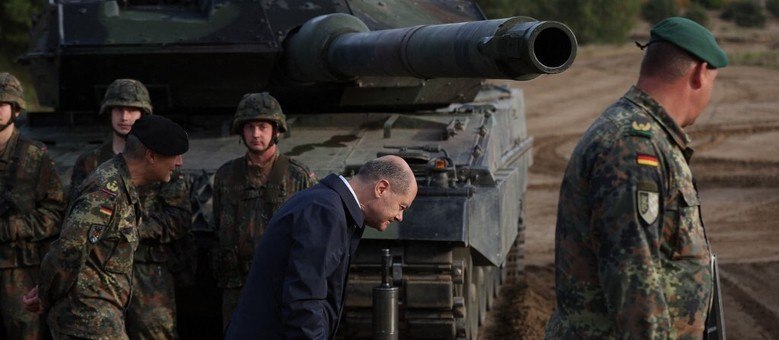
{"x":95,"y":233}
{"x":648,"y":205}
{"x":648,"y":160}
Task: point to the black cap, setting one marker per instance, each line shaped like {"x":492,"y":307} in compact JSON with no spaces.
{"x":161,"y":135}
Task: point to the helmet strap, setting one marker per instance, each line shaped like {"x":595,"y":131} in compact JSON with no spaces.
{"x":275,"y":139}
{"x":10,"y":121}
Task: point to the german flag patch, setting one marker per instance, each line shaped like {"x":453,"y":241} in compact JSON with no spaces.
{"x":647,"y":160}
{"x":106,"y":211}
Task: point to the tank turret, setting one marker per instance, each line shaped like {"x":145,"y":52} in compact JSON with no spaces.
{"x":202,"y":57}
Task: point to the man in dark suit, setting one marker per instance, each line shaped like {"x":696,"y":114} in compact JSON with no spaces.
{"x":297,"y":281}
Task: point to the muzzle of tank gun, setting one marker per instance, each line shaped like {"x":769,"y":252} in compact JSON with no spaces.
{"x":339,"y":47}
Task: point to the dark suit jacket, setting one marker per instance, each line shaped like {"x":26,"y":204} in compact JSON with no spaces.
{"x":296,"y":285}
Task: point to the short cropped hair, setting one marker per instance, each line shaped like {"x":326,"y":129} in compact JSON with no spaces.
{"x":666,"y":61}
{"x":382,"y":168}
{"x":133,"y":148}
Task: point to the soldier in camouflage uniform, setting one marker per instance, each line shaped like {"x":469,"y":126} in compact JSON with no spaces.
{"x":632,"y":258}
{"x":166,"y":217}
{"x":31,"y":205}
{"x":248,"y":189}
{"x":86,"y":278}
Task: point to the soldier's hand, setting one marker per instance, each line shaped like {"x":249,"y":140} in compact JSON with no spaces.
{"x":32,"y":302}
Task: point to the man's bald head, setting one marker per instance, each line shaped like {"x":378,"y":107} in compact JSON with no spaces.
{"x":391,"y":168}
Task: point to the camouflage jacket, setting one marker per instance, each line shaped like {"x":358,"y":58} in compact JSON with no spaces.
{"x":32,"y":201}
{"x":86,"y":163}
{"x":243,"y":205}
{"x":86,"y":278}
{"x":167,"y":211}
{"x":632,"y":259}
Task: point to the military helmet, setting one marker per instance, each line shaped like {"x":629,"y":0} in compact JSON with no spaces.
{"x":11,"y":91}
{"x":258,"y":106}
{"x":126,"y":92}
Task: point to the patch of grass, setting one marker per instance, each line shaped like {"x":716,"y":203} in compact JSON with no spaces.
{"x":769,"y":59}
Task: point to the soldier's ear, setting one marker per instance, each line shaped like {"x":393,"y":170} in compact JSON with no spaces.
{"x":150,"y":156}
{"x":697,"y":77}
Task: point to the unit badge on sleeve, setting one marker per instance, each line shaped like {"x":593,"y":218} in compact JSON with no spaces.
{"x":648,"y":205}
{"x":95,"y":233}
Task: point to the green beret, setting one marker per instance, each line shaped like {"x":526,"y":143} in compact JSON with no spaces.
{"x":161,"y":135}
{"x":691,"y":37}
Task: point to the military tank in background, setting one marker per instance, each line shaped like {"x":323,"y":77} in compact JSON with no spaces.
{"x":356,"y":79}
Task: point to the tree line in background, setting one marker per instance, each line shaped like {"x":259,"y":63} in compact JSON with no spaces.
{"x":610,"y":21}
{"x":15,"y":22}
{"x":593,"y":21}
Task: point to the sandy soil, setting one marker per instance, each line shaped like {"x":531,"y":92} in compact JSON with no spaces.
{"x":736,"y":163}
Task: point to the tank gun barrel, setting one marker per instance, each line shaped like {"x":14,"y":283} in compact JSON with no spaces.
{"x":339,"y":47}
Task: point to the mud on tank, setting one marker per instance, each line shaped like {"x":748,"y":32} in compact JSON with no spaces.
{"x":356,"y":79}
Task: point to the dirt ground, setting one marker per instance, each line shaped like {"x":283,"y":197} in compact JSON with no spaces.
{"x":736,"y":163}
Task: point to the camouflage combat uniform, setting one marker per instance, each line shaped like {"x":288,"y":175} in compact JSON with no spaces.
{"x":86,"y":163}
{"x":86,"y":278}
{"x":632,"y":258}
{"x":166,"y":217}
{"x":31,"y":219}
{"x":245,"y":197}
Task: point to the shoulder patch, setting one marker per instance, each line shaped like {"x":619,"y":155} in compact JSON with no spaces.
{"x":112,"y":187}
{"x":641,"y":129}
{"x":647,"y":160}
{"x":108,"y":212}
{"x":95,"y":233}
{"x":647,"y":202}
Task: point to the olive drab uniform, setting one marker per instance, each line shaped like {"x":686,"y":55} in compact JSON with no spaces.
{"x":245,"y":197}
{"x":632,"y":257}
{"x":31,"y":207}
{"x":166,"y":217}
{"x":86,"y":278}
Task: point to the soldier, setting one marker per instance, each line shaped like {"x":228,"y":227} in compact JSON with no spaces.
{"x":166,"y":217}
{"x":631,"y":255}
{"x":86,"y":278}
{"x":31,"y":205}
{"x":248,"y":189}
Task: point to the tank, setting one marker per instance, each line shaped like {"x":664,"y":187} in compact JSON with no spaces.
{"x":357,"y":79}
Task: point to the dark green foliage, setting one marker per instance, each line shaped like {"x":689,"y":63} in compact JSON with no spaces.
{"x":710,"y":4}
{"x":655,"y":10}
{"x":593,"y":21}
{"x":773,"y":7}
{"x":15,"y":22}
{"x":495,"y":9}
{"x":746,"y":13}
{"x":696,"y":12}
